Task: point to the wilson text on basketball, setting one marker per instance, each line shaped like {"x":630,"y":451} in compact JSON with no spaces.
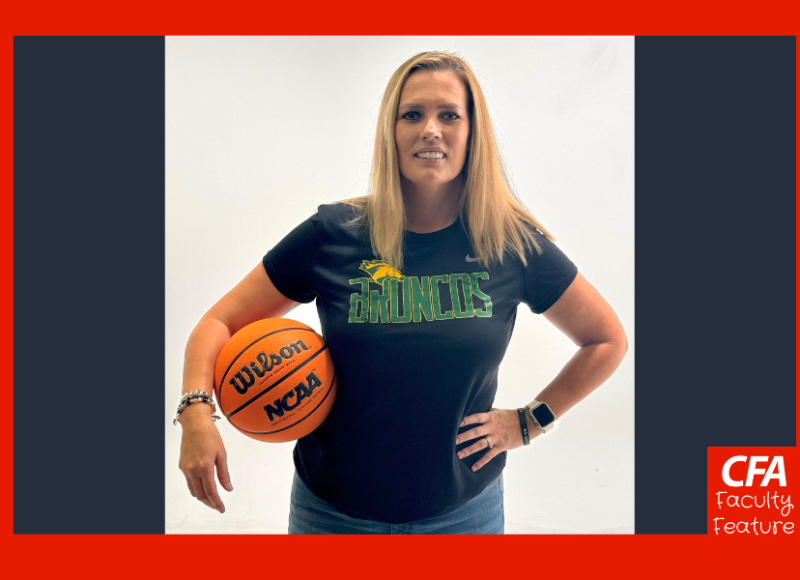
{"x":246,"y":377}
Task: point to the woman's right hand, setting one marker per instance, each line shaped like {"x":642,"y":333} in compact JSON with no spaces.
{"x":201,"y":451}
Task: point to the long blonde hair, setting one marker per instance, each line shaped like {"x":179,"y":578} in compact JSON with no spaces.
{"x":494,"y":215}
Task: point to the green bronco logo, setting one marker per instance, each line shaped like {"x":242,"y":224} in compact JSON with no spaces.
{"x":412,"y":298}
{"x":378,"y":270}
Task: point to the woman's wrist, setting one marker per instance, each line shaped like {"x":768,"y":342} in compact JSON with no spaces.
{"x":523,"y":425}
{"x":533,"y":429}
{"x":198,"y":403}
{"x":197,"y":414}
{"x":197,"y":409}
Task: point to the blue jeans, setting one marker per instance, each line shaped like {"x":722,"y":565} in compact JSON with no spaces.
{"x":481,"y":515}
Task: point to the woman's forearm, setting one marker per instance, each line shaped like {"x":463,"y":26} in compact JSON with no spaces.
{"x":589,"y":368}
{"x":202,"y":349}
{"x":586,"y":370}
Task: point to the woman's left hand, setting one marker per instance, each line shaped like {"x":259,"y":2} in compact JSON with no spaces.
{"x":499,"y":425}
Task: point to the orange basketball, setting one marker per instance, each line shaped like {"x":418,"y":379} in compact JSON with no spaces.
{"x":274,"y":380}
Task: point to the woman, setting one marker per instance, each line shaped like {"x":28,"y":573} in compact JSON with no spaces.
{"x":417,"y":286}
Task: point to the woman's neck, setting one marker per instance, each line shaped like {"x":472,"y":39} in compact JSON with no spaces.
{"x":431,"y":210}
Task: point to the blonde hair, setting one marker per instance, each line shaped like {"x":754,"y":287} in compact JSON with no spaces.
{"x":494,"y":215}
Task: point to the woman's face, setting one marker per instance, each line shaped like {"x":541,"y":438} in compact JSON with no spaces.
{"x":432,"y":128}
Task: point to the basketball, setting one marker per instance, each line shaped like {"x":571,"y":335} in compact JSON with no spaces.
{"x":274,"y":380}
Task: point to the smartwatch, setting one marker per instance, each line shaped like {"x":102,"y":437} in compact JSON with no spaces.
{"x":542,"y":415}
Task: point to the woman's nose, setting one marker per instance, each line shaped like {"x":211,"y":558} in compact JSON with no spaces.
{"x":431,"y":128}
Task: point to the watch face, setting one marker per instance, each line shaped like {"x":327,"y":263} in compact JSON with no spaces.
{"x":543,"y":415}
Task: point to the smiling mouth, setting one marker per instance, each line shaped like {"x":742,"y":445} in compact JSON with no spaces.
{"x":430,"y":155}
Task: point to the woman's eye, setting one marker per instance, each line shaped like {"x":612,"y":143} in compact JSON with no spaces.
{"x":414,"y":116}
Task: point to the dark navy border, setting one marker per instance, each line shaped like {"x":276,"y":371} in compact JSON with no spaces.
{"x":89,"y":285}
{"x":715,"y":262}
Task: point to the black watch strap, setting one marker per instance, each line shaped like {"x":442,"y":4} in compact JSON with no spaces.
{"x":523,"y":423}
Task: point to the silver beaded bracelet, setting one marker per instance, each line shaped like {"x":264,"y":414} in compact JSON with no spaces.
{"x":195,"y":397}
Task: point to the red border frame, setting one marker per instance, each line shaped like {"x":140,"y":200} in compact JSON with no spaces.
{"x":123,"y":556}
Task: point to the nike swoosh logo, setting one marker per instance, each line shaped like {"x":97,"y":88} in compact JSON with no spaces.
{"x":470,"y":259}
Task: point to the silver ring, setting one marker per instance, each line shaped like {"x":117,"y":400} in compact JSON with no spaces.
{"x":489,"y":441}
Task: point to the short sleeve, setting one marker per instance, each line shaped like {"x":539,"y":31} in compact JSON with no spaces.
{"x":290,"y":263}
{"x":547,"y":275}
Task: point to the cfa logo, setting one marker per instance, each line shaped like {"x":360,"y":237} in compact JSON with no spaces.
{"x":776,"y":470}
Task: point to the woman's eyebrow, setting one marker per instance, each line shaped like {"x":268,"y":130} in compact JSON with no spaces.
{"x":419,"y":106}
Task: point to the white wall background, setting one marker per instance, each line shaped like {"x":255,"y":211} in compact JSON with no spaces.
{"x":260,"y":131}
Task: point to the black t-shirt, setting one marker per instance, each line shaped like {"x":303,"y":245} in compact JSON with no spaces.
{"x":412,"y":360}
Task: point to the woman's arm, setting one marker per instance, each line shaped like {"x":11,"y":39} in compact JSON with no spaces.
{"x":589,"y":321}
{"x":254,"y":298}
